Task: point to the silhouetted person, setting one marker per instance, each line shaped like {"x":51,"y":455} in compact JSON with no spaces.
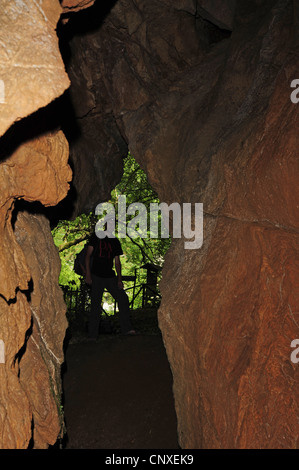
{"x":100,"y":275}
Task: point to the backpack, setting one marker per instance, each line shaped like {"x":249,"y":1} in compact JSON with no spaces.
{"x":80,"y":259}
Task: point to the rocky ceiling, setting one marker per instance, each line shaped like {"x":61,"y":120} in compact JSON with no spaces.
{"x":199,"y":92}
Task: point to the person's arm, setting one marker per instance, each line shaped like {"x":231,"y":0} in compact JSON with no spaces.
{"x":89,"y":252}
{"x":118,"y":272}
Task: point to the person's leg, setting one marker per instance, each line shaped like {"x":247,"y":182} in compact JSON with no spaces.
{"x":123,"y":304}
{"x":97,"y":288}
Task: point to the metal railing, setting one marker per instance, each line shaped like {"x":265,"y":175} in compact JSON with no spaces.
{"x":78,"y":300}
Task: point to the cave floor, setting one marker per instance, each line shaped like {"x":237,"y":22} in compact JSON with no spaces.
{"x":118,"y":394}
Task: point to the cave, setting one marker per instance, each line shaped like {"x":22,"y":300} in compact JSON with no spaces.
{"x":199,"y":91}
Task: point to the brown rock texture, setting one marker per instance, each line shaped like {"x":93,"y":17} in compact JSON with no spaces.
{"x":33,"y":167}
{"x":208,"y":114}
{"x":36,"y":171}
{"x":75,"y":5}
{"x":32,"y":72}
{"x":220,"y":13}
{"x":200,"y":94}
{"x":33,"y":321}
{"x":40,"y":364}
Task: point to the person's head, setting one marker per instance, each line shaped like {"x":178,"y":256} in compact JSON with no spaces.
{"x":109,"y":226}
{"x":105,"y":226}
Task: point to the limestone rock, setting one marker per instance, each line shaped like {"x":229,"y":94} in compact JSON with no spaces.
{"x":208,"y":115}
{"x":32,"y":321}
{"x":33,"y":167}
{"x":40,"y":364}
{"x":218,"y":12}
{"x":32,"y":73}
{"x":36,"y":171}
{"x":200,"y":94}
{"x":75,"y":5}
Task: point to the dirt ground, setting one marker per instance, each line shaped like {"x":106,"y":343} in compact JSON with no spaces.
{"x":118,"y":394}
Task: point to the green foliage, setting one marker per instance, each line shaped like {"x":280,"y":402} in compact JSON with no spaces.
{"x":71,"y":236}
{"x":135,"y":186}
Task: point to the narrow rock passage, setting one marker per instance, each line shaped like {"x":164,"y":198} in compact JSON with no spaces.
{"x":118,"y":394}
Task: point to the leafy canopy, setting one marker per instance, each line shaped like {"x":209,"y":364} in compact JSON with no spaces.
{"x":71,"y":236}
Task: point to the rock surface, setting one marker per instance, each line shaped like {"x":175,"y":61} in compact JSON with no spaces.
{"x":200,"y":94}
{"x":32,"y":72}
{"x":40,"y":363}
{"x":75,"y":5}
{"x":33,"y":167}
{"x":208,"y":115}
{"x":33,"y":321}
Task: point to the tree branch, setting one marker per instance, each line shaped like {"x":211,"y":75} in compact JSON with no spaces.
{"x":144,"y":254}
{"x":71,"y":243}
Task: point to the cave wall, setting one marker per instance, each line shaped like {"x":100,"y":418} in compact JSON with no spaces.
{"x":33,"y":167}
{"x":33,"y":321}
{"x":200,"y":94}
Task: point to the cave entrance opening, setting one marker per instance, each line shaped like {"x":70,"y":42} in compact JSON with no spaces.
{"x":143,"y":250}
{"x":117,"y":389}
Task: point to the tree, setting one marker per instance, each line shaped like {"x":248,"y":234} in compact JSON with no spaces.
{"x":135,"y":186}
{"x":71,"y":236}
